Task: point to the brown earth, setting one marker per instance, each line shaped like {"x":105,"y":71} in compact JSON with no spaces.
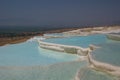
{"x":4,"y":41}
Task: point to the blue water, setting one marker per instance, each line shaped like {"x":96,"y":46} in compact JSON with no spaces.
{"x":89,"y":74}
{"x":108,"y":53}
{"x":29,"y":53}
{"x":83,"y":41}
{"x":58,"y":71}
{"x":61,"y":66}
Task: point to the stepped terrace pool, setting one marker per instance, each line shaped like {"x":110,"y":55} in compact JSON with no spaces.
{"x":29,"y":53}
{"x":89,"y":74}
{"x":82,"y":41}
{"x":58,"y":71}
{"x":108,"y":53}
{"x":27,"y":61}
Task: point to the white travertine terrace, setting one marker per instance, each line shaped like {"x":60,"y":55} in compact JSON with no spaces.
{"x":86,"y":52}
{"x":104,"y":67}
{"x":64,"y":48}
{"x":110,"y":69}
{"x":113,"y":36}
{"x":94,"y":30}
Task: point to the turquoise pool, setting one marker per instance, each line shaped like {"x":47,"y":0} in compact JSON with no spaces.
{"x":83,"y":41}
{"x":89,"y":74}
{"x":108,"y":53}
{"x":29,"y":53}
{"x":27,"y":61}
{"x":59,"y":71}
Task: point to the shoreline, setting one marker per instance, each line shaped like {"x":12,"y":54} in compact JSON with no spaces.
{"x":6,"y":41}
{"x":70,"y":31}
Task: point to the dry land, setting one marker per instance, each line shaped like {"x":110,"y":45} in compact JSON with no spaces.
{"x":4,"y":41}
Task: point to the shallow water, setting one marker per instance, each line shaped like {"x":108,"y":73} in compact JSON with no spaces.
{"x":108,"y":53}
{"x":29,"y":53}
{"x":82,"y":41}
{"x":27,"y":61}
{"x":59,"y":71}
{"x":88,"y":74}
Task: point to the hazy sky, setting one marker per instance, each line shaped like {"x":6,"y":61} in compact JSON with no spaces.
{"x":59,"y":12}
